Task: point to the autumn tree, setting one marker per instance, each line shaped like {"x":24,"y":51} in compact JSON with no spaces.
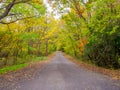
{"x":97,"y":25}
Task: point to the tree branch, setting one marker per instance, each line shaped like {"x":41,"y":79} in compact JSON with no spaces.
{"x":7,"y":10}
{"x":16,"y":20}
{"x":77,"y":7}
{"x":10,"y":6}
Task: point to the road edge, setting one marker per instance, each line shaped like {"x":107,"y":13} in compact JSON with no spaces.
{"x":114,"y":74}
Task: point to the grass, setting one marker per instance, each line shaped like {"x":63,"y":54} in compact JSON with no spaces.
{"x":37,"y":59}
{"x":12,"y":68}
{"x":19,"y":66}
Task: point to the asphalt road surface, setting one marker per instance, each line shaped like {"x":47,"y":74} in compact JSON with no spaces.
{"x":62,"y":74}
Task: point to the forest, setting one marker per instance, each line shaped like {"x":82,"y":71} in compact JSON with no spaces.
{"x":85,"y":29}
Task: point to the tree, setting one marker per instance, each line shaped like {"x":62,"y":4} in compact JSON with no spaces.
{"x":14,"y":10}
{"x":93,"y":28}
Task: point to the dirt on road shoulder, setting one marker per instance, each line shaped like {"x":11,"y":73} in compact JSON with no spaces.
{"x":31,"y":71}
{"x":114,"y":74}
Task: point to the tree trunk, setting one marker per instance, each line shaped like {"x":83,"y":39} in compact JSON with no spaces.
{"x":46,"y":47}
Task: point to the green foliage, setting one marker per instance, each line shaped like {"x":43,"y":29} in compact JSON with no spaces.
{"x":28,"y":36}
{"x":27,"y":39}
{"x":91,"y":31}
{"x":104,"y":34}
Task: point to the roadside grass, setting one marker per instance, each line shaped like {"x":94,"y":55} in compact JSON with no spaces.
{"x":12,"y":68}
{"x":37,"y":59}
{"x":6,"y":69}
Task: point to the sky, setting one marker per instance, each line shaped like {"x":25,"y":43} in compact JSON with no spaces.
{"x":55,"y":12}
{"x":50,"y":10}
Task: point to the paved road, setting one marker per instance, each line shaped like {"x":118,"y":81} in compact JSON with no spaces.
{"x":61,"y":74}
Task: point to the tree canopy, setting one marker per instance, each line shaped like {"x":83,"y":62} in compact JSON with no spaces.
{"x":86,"y":29}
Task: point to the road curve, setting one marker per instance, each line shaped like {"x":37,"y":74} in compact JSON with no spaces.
{"x":61,"y":74}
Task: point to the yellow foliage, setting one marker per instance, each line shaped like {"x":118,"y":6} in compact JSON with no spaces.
{"x":82,"y":44}
{"x":80,"y":10}
{"x":37,"y":1}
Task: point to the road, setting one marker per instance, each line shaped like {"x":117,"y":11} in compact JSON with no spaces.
{"x":62,"y":74}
